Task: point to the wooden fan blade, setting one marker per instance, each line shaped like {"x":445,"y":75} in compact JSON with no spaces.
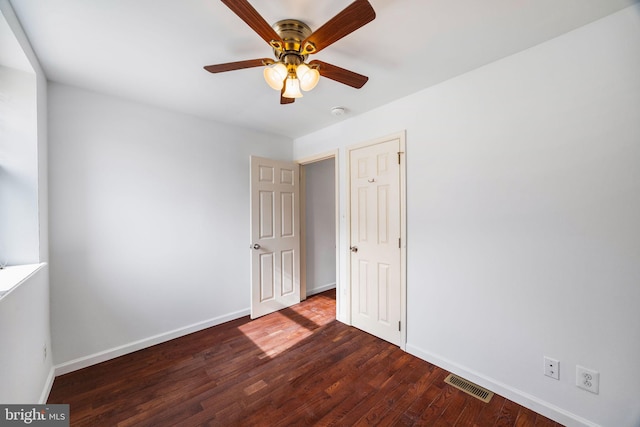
{"x":230,"y":66}
{"x":357,"y":14}
{"x":252,"y":18}
{"x":285,"y":101}
{"x":340,"y":75}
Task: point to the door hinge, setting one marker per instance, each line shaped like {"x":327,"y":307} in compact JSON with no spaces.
{"x":399,"y":157}
{"x":399,"y":323}
{"x":399,"y":243}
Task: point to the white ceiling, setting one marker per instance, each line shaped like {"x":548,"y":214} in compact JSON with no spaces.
{"x":153,"y":51}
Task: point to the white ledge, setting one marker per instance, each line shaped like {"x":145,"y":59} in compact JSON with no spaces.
{"x":11,"y":277}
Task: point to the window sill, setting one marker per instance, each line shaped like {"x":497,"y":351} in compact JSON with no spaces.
{"x":12,"y":277}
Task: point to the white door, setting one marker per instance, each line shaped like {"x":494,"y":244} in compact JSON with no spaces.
{"x":375,"y":216}
{"x":275,"y":236}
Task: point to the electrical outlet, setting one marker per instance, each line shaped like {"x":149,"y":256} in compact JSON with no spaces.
{"x":44,"y":352}
{"x":551,"y":368}
{"x":588,"y":379}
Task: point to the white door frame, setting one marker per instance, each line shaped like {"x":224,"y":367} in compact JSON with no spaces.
{"x":303,"y":232}
{"x":401,"y":136}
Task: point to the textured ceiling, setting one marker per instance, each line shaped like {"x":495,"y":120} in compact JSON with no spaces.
{"x":153,"y":51}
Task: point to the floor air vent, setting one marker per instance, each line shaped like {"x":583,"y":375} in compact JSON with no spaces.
{"x":469,"y":388}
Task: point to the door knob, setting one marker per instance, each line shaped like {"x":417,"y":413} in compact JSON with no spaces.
{"x":256,"y":246}
{"x":354,"y":249}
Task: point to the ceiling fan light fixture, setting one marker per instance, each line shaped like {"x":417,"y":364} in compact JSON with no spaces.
{"x":292,"y":42}
{"x":275,"y":74}
{"x":292,"y":88}
{"x":308,"y":77}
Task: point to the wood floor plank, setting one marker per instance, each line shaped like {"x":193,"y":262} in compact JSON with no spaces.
{"x":436,"y":408}
{"x":423,"y":401}
{"x":508,"y":414}
{"x":490,"y":412}
{"x":454,"y":408}
{"x":411,"y":392}
{"x":470,"y":413}
{"x":526,"y":418}
{"x":542,"y":421}
{"x":297,"y":367}
{"x":392,"y":399}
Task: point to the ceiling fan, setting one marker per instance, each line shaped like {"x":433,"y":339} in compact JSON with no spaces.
{"x":292,"y":42}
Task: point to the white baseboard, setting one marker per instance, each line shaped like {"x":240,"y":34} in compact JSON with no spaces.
{"x":535,"y":404}
{"x":47,"y":386}
{"x":320,"y":289}
{"x":83,"y":362}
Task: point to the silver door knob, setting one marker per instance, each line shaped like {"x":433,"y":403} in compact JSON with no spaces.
{"x":256,"y":246}
{"x":354,"y":248}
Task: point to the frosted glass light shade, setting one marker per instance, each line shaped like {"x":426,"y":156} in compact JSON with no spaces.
{"x":275,"y":74}
{"x":308,"y":77}
{"x":292,"y":88}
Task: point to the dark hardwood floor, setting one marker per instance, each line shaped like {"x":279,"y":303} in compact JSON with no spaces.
{"x":297,"y":367}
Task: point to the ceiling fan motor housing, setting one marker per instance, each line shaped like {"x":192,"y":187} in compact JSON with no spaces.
{"x":292,"y":32}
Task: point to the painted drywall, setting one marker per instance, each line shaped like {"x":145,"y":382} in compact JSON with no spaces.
{"x":149,"y":220}
{"x":26,"y":366}
{"x":523,"y":192}
{"x":320,"y":226}
{"x":26,"y":373}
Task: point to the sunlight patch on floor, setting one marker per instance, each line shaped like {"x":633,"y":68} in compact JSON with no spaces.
{"x":289,"y":328}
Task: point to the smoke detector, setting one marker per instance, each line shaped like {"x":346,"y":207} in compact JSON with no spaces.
{"x":338,"y":111}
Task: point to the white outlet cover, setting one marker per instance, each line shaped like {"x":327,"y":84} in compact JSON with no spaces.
{"x":588,"y":379}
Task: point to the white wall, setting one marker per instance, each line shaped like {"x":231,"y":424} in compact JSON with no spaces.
{"x":26,"y":374}
{"x":26,"y":371}
{"x":523,"y":188}
{"x":320,"y":224}
{"x":149,"y":223}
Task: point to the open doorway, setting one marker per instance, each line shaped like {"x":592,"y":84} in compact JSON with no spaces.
{"x":319,"y":230}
